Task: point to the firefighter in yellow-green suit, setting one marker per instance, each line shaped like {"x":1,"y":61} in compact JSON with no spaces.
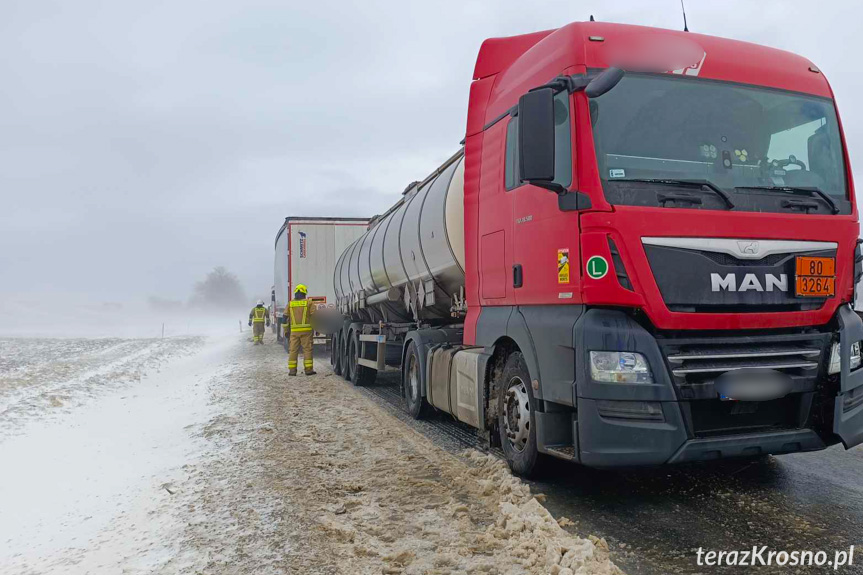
{"x":299,"y":314}
{"x":257,"y":317}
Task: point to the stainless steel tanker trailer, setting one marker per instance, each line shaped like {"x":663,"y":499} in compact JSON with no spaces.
{"x":400,"y":293}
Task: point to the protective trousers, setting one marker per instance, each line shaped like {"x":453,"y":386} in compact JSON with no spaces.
{"x":300,"y":339}
{"x":258,"y":332}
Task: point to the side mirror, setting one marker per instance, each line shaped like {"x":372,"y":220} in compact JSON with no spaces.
{"x":536,"y":136}
{"x":604,"y":82}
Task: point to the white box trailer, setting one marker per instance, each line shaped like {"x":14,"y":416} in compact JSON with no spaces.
{"x":306,"y":253}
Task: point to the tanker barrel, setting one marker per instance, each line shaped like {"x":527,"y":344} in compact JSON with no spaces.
{"x":411,"y":259}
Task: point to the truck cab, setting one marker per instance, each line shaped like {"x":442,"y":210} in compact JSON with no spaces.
{"x":663,"y":225}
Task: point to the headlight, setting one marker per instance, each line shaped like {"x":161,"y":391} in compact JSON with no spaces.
{"x":835,"y":358}
{"x":619,"y":367}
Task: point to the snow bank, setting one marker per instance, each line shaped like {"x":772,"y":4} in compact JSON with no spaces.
{"x":528,"y":532}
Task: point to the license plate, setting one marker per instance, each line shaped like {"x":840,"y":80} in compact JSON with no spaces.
{"x":815,"y":277}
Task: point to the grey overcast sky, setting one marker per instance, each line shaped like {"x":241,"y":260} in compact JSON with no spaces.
{"x":144,"y":143}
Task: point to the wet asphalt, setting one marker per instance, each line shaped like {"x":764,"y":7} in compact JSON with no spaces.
{"x":655,"y":520}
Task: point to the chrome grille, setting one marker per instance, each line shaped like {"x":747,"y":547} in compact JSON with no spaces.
{"x":695,"y":363}
{"x":720,"y":360}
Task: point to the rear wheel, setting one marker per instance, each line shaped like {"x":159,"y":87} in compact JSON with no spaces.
{"x":344,"y":353}
{"x":412,"y":383}
{"x":335,"y":353}
{"x":360,"y":374}
{"x":516,"y":419}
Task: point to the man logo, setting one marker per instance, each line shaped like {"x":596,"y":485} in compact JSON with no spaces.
{"x":750,"y":282}
{"x":748,"y":248}
{"x":692,"y":69}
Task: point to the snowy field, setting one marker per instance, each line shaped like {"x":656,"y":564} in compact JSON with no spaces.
{"x":89,"y":431}
{"x":43,"y":378}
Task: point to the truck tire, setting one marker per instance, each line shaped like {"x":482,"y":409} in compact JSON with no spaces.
{"x":361,"y":375}
{"x":344,"y":353}
{"x":336,"y":352}
{"x":516,"y":419}
{"x":415,"y":403}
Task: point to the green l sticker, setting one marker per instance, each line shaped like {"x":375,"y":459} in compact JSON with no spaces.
{"x":597,"y":267}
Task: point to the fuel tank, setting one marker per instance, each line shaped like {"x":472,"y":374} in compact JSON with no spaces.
{"x":409,"y":265}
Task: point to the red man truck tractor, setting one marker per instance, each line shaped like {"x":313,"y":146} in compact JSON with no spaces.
{"x":644,"y":253}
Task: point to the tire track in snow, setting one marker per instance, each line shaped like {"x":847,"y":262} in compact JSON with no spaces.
{"x":44,"y":381}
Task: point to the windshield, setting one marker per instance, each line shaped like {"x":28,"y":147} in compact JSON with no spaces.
{"x":736,"y":137}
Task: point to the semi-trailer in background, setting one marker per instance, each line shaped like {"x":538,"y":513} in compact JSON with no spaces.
{"x":306,"y":251}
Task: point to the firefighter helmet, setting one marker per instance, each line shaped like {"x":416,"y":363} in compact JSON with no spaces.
{"x":301,"y":289}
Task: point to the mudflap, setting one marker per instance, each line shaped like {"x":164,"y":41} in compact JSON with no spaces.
{"x":848,"y":408}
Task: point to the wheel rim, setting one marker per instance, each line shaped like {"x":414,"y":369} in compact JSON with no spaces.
{"x":516,"y":414}
{"x":413,"y":380}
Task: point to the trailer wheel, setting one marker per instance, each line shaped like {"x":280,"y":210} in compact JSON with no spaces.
{"x":344,"y":353}
{"x":360,"y":374}
{"x":412,"y":384}
{"x":336,"y":353}
{"x":516,"y":420}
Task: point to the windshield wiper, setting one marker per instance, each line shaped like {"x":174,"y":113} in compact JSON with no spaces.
{"x":834,"y":207}
{"x":699,"y":183}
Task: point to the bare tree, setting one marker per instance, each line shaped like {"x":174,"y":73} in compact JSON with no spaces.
{"x":221,"y":289}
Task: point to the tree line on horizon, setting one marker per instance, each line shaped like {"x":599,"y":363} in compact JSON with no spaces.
{"x":219,"y":290}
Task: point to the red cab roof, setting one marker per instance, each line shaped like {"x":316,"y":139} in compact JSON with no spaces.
{"x":522,"y":62}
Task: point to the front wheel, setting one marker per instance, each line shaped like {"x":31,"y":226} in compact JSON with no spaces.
{"x":412,"y":383}
{"x":516,"y":419}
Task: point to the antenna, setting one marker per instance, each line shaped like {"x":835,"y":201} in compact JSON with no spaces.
{"x":683,"y":9}
{"x":591,"y":18}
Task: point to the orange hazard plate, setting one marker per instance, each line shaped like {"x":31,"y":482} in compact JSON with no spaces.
{"x":816,"y":267}
{"x":809,"y":286}
{"x":816,"y":277}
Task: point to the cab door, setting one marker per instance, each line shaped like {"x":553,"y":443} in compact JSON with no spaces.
{"x":545,"y":238}
{"x":495,"y":223}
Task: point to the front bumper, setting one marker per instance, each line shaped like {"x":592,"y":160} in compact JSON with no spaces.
{"x":668,"y":422}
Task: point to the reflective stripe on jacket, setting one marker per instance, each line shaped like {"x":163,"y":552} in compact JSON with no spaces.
{"x":258,"y":314}
{"x":299,"y":313}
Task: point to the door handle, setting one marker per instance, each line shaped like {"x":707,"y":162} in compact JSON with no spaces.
{"x":517,"y":276}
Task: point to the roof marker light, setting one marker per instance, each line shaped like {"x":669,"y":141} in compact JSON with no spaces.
{"x":814,"y":69}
